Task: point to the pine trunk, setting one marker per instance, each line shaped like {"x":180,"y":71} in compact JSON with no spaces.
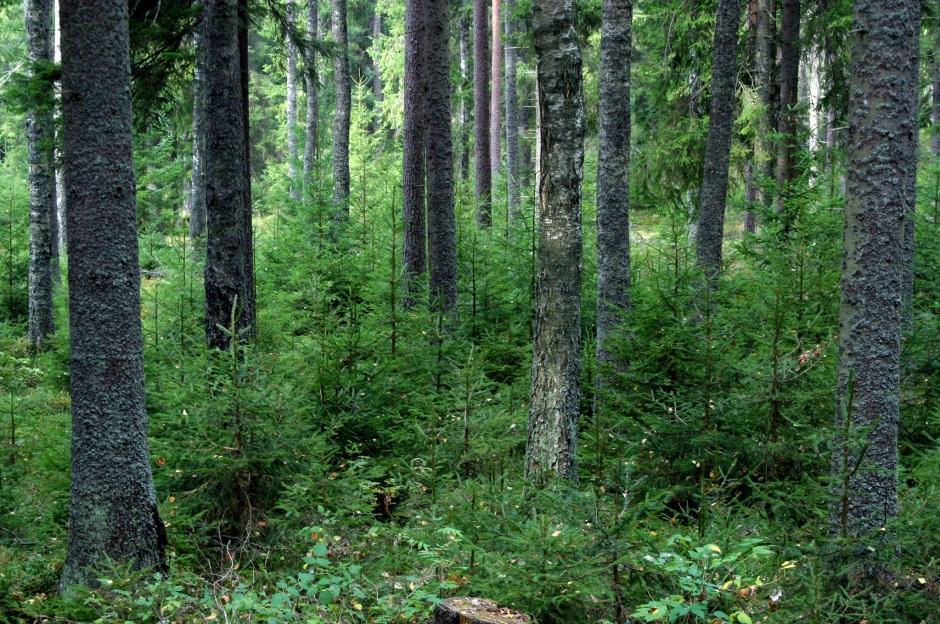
{"x":313,"y":101}
{"x":40,"y":133}
{"x":377,"y":95}
{"x":613,"y":179}
{"x":556,"y":351}
{"x":113,"y":510}
{"x":228,"y":275}
{"x":789,"y":83}
{"x":496,"y":92}
{"x":292,"y":152}
{"x":415,"y":141}
{"x":442,"y":225}
{"x":512,"y":116}
{"x":882,"y":153}
{"x":197,"y":195}
{"x":481,"y":113}
{"x":718,"y":144}
{"x":463,"y":47}
{"x":341,"y":118}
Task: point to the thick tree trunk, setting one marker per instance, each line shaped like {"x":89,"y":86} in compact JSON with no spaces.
{"x":40,"y":133}
{"x":248,"y":256}
{"x":763,"y":62}
{"x":882,"y":152}
{"x":496,"y":92}
{"x":711,"y":219}
{"x":789,"y":83}
{"x":481,"y":113}
{"x":556,"y":351}
{"x":750,"y":184}
{"x":613,"y":179}
{"x":512,"y":116}
{"x":292,"y":152}
{"x":341,"y":118}
{"x":313,"y":101}
{"x":415,"y":141}
{"x":59,"y":172}
{"x":476,"y":611}
{"x":228,"y":275}
{"x":113,"y":510}
{"x":442,"y":224}
{"x":463,"y":46}
{"x":197,"y":194}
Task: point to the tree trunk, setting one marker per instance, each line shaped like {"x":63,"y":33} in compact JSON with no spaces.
{"x":711,"y":220}
{"x":496,"y":93}
{"x":442,"y":225}
{"x":313,"y":101}
{"x":763,"y":62}
{"x":228,"y":275}
{"x":882,"y":152}
{"x":113,"y":509}
{"x":935,"y":102}
{"x":292,"y":152}
{"x":463,"y":45}
{"x":481,"y":114}
{"x":613,"y":179}
{"x":343,"y":87}
{"x":512,"y":116}
{"x":197,"y":195}
{"x":40,"y":133}
{"x":415,"y":140}
{"x":789,"y":83}
{"x":248,"y":256}
{"x":376,"y":73}
{"x":556,"y":351}
{"x":476,"y":611}
{"x":59,"y":172}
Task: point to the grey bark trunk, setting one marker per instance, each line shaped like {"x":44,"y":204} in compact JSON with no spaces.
{"x":311,"y":80}
{"x":882,"y":152}
{"x":59,"y":172}
{"x":763,"y":61}
{"x":197,"y":195}
{"x":935,"y":100}
{"x":789,"y":85}
{"x":415,"y":140}
{"x":228,"y":272}
{"x":113,"y":509}
{"x":711,"y":221}
{"x":442,"y":224}
{"x":613,"y":180}
{"x":293,"y":156}
{"x":341,"y":118}
{"x":481,"y":114}
{"x":463,"y":45}
{"x":556,"y":352}
{"x":496,"y":92}
{"x":40,"y":133}
{"x":377,"y":95}
{"x":512,"y":116}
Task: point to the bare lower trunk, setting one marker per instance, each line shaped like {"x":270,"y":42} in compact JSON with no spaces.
{"x":341,"y":118}
{"x":879,"y":197}
{"x":496,"y":93}
{"x":415,"y":140}
{"x":512,"y":117}
{"x":376,"y":73}
{"x":613,"y":181}
{"x":40,"y":133}
{"x":292,"y":153}
{"x":556,"y":351}
{"x":442,"y":225}
{"x":197,"y":194}
{"x":710,"y":234}
{"x":311,"y":80}
{"x":789,"y":82}
{"x":463,"y":45}
{"x":113,"y":509}
{"x":481,"y":113}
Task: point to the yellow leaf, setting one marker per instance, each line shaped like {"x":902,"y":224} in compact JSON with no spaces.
{"x":714,"y":548}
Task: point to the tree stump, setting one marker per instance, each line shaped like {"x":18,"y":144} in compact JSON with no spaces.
{"x":476,"y":611}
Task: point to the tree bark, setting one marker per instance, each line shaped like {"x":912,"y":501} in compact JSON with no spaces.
{"x":556,"y":351}
{"x":59,"y":172}
{"x":463,"y":45}
{"x":613,"y":179}
{"x":341,"y":118}
{"x":763,"y":62}
{"x":313,"y":101}
{"x":512,"y":116}
{"x":442,"y":224}
{"x":882,"y":153}
{"x":415,"y":141}
{"x":481,"y":114}
{"x":377,"y":95}
{"x":197,"y":195}
{"x":292,"y":152}
{"x":935,"y":101}
{"x":40,"y":133}
{"x":113,"y":509}
{"x":789,"y":83}
{"x":228,"y":273}
{"x":496,"y":93}
{"x":714,"y":192}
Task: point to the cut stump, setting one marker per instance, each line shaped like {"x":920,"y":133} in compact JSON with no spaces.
{"x":476,"y":611}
